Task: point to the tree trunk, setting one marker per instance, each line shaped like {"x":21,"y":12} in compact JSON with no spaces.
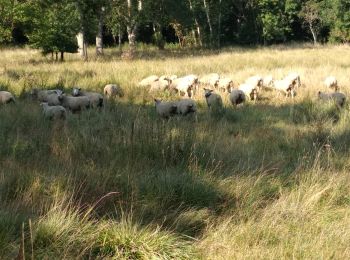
{"x":198,"y":32}
{"x":219,"y":26}
{"x":99,"y":39}
{"x":62,"y":56}
{"x":82,"y":46}
{"x":207,"y":12}
{"x":120,"y":39}
{"x":314,"y":35}
{"x":199,"y":39}
{"x":131,"y":37}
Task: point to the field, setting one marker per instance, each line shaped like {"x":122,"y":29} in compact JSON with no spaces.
{"x":268,"y":180}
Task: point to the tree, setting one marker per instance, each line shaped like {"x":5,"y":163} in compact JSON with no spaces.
{"x":54,"y":26}
{"x":7,"y":20}
{"x":311,"y":16}
{"x":274,"y":20}
{"x":341,"y":29}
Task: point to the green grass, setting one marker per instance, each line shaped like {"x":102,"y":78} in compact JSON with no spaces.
{"x":266,"y":180}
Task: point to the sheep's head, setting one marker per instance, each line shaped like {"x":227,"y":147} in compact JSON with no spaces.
{"x":119,"y":91}
{"x":157,"y":101}
{"x":76,"y":92}
{"x":254,"y":95}
{"x":60,"y":97}
{"x":207,"y":92}
{"x":58,"y":92}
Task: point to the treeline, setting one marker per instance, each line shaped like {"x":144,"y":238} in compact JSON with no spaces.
{"x":66,"y":25}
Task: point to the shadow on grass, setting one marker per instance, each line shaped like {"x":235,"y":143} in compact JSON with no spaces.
{"x":163,"y":171}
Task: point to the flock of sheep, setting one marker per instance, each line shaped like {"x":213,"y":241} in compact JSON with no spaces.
{"x":55,"y":103}
{"x":212,"y":86}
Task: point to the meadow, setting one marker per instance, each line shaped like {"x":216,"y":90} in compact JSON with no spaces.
{"x":268,"y":180}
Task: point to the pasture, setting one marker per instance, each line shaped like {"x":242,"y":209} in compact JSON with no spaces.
{"x":266,"y":180}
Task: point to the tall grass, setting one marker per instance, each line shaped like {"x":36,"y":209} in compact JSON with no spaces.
{"x":266,"y":180}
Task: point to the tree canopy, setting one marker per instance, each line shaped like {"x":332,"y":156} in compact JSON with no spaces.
{"x":53,"y":25}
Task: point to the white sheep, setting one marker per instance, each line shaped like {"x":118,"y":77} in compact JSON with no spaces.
{"x":96,"y":99}
{"x":75,"y":104}
{"x":53,"y":112}
{"x":286,"y":86}
{"x":186,"y":85}
{"x":147,"y":81}
{"x":338,"y":98}
{"x":43,"y":95}
{"x":268,"y":81}
{"x":249,"y":90}
{"x":211,"y":80}
{"x":256,"y":81}
{"x":331,"y":82}
{"x":294,"y":78}
{"x":186,"y":106}
{"x":113,"y":90}
{"x":159,"y":85}
{"x":225,"y":84}
{"x":169,"y":78}
{"x":214,"y":101}
{"x":237,"y":97}
{"x":165,"y":109}
{"x":6,"y":97}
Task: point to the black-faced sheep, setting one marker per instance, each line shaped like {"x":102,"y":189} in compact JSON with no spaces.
{"x":331,"y":83}
{"x":6,"y":97}
{"x":237,"y":97}
{"x":214,"y":101}
{"x":249,"y":90}
{"x":112,"y":91}
{"x":338,"y":98}
{"x":165,"y":109}
{"x":186,"y":106}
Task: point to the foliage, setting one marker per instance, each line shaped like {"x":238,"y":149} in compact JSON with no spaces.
{"x":55,"y":25}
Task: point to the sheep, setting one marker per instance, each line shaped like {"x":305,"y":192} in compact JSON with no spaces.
{"x":113,"y":90}
{"x":43,"y":95}
{"x":256,"y":81}
{"x":53,"y":112}
{"x":165,"y":109}
{"x":332,"y":83}
{"x":237,"y":97}
{"x":159,"y":85}
{"x":249,"y":90}
{"x":225,"y":84}
{"x":75,"y":104}
{"x":211,"y":80}
{"x":185,"y":107}
{"x":52,"y":99}
{"x":338,"y":98}
{"x":268,"y":81}
{"x":213,"y":100}
{"x":294,"y":78}
{"x":6,"y":97}
{"x":96,"y":99}
{"x":147,"y":81}
{"x":286,"y":86}
{"x":187,"y":85}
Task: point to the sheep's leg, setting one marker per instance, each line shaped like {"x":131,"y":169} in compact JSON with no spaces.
{"x":292,"y":93}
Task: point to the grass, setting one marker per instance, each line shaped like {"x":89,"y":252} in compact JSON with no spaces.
{"x":266,"y":180}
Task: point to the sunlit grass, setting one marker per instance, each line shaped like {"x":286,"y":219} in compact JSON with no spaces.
{"x":266,"y":180}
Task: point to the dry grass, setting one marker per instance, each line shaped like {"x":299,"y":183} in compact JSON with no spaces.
{"x":267,"y":180}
